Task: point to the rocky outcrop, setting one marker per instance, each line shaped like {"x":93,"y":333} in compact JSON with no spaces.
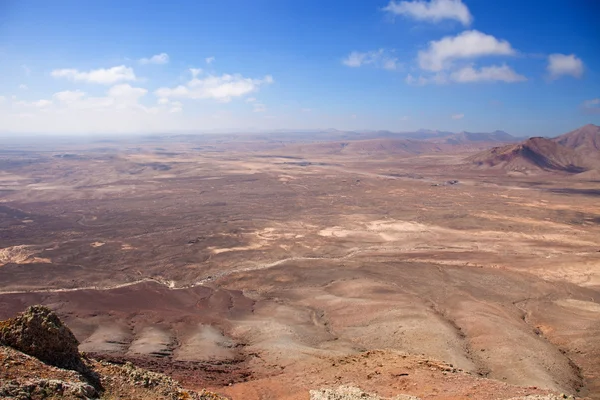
{"x":39,"y":359}
{"x":351,"y":393}
{"x":39,"y":332}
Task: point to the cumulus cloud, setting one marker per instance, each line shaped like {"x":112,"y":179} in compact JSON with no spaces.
{"x":250,"y":100}
{"x":592,"y":106}
{"x":467,"y":45}
{"x":457,"y":116}
{"x":378,"y":58}
{"x":103,"y":76}
{"x":563,"y":64}
{"x":432,"y":11}
{"x":222,"y":88}
{"x":162,"y":58}
{"x":23,"y":86}
{"x":502,"y":73}
{"x":209,"y":60}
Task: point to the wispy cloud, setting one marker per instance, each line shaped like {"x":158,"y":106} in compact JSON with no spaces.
{"x":431,"y":11}
{"x":69,"y":96}
{"x":209,"y":60}
{"x":38,"y":103}
{"x":591,"y":106}
{"x":457,"y":116}
{"x":195,"y":72}
{"x":162,"y":58}
{"x":105,"y":76}
{"x":377,"y":58}
{"x":259,"y":107}
{"x":494,"y":73}
{"x":222,"y":88}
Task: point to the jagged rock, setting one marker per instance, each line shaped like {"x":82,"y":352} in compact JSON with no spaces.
{"x":351,"y":393}
{"x":47,"y":388}
{"x":40,"y":333}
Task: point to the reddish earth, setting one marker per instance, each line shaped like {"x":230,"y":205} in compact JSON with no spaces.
{"x":274,"y":267}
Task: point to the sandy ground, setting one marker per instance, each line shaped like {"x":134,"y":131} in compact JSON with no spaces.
{"x":250,"y":268}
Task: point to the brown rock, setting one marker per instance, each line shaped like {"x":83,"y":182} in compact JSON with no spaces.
{"x":40,"y":333}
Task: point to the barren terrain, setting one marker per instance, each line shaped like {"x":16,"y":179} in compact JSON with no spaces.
{"x":258,"y":268}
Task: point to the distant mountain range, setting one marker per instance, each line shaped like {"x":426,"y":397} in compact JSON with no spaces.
{"x":576,"y":152}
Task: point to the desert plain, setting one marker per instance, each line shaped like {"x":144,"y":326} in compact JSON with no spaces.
{"x":261,"y":268}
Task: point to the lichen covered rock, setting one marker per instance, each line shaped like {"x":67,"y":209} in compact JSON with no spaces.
{"x":40,"y":333}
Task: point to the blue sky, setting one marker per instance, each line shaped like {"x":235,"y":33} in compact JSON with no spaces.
{"x":526,"y":67}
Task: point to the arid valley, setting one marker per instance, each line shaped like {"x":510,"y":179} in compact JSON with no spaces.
{"x":264,"y":266}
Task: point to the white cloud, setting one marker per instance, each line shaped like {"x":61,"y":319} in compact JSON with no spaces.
{"x":492,"y":73}
{"x":26,"y":69}
{"x":2,"y":99}
{"x":432,"y":11}
{"x":176,"y":107}
{"x":162,"y":58}
{"x":125,"y":94}
{"x":250,"y":100}
{"x":258,"y":107}
{"x":195,"y":72}
{"x":38,"y":103}
{"x":102,"y":76}
{"x":378,"y":58}
{"x":457,"y":116}
{"x":42,"y":103}
{"x":23,"y":86}
{"x":163,"y":101}
{"x":68,"y":96}
{"x":119,"y":96}
{"x":209,"y":60}
{"x":222,"y":88}
{"x":466,"y":45}
{"x":439,"y":78}
{"x":563,"y":64}
{"x":592,"y":106}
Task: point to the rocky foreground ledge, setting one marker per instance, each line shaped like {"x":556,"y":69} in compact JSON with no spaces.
{"x":39,"y":359}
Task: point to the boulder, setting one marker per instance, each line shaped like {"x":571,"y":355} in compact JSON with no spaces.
{"x":40,"y":333}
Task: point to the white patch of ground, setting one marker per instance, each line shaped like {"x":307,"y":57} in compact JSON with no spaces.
{"x":205,"y":344}
{"x":107,"y":338}
{"x":579,"y":305}
{"x":151,"y":340}
{"x":21,"y":254}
